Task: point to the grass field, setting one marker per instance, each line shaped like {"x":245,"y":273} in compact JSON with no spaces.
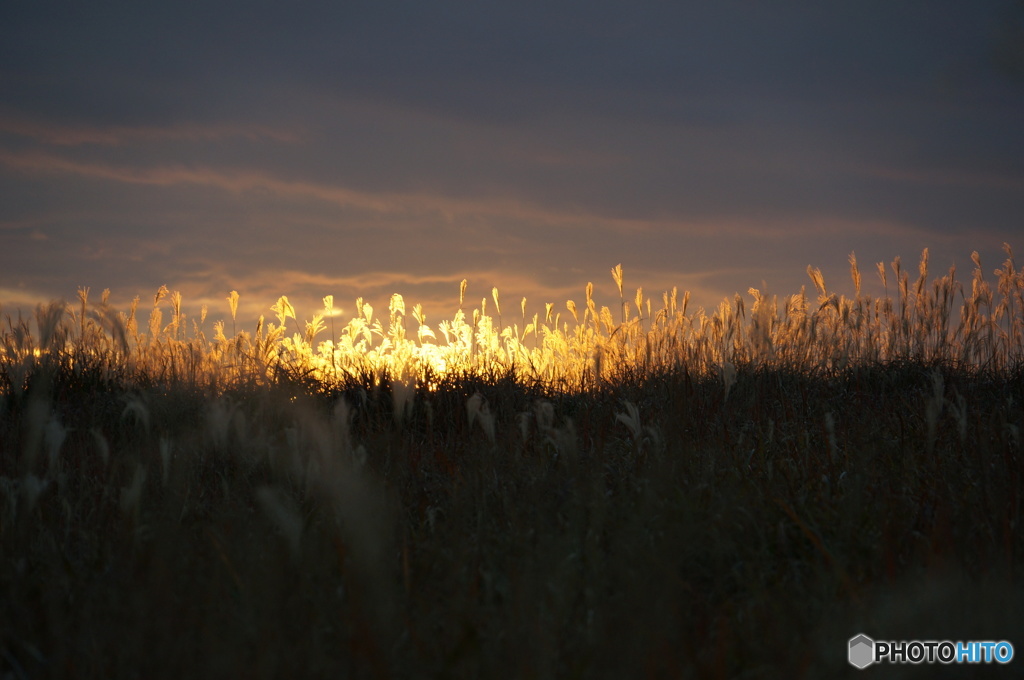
{"x":645,"y":491}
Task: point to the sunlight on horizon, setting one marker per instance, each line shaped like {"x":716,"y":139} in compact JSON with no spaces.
{"x":568,"y":346}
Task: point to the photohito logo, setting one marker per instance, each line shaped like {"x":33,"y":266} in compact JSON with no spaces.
{"x":863,"y":651}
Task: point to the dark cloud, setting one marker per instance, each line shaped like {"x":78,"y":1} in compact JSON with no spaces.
{"x":138,"y":60}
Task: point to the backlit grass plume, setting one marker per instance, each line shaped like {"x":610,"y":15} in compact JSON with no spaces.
{"x":931,"y":321}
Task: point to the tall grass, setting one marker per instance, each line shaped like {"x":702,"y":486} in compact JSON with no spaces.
{"x":647,"y":491}
{"x":936,"y":321}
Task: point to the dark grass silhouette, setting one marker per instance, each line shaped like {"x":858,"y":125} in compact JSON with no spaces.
{"x":693,"y":498}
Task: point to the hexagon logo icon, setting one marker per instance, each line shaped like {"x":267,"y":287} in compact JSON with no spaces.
{"x":862,"y":651}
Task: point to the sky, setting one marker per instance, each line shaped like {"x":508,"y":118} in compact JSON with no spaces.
{"x":360,"y":149}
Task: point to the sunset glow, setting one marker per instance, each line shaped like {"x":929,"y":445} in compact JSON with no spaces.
{"x":405,"y":148}
{"x":461,"y":339}
{"x":570,"y":348}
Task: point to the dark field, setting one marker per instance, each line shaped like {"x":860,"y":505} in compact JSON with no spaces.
{"x":657,"y":521}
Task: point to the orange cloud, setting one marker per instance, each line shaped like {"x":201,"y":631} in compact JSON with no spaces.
{"x":244,"y":180}
{"x":21,"y":299}
{"x":238,"y":181}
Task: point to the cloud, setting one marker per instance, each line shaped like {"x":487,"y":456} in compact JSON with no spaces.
{"x":237,"y":181}
{"x":960,"y":177}
{"x":20,"y":300}
{"x":366,"y":148}
{"x":81,"y":134}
